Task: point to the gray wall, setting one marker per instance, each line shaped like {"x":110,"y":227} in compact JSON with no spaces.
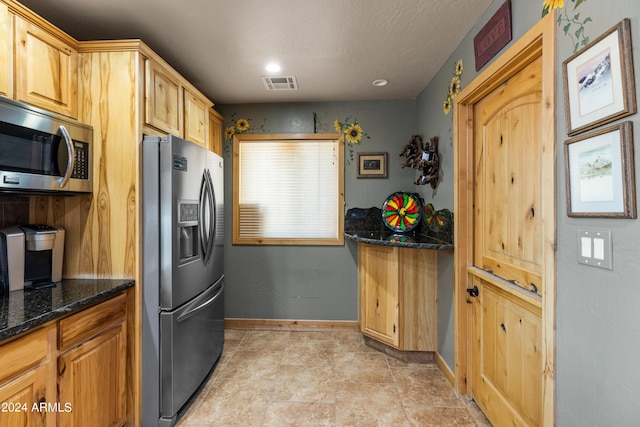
{"x":598,"y":325}
{"x":598,"y":321}
{"x":311,"y":282}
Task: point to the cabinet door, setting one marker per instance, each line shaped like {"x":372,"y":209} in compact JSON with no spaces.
{"x":46,"y":70}
{"x":163,"y":100}
{"x":508,"y":361}
{"x":6,"y":58}
{"x":21,"y":399}
{"x":91,"y":377}
{"x":215,"y":131}
{"x":379,"y":299}
{"x":196,"y":119}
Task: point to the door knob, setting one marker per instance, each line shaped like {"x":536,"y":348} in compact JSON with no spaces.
{"x":474,"y":292}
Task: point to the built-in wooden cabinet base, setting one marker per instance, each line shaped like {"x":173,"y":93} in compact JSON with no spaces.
{"x":398,"y":288}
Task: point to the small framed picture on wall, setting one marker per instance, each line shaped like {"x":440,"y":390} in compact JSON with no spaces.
{"x":372,"y":165}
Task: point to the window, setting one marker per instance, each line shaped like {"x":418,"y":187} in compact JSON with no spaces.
{"x":288,"y":189}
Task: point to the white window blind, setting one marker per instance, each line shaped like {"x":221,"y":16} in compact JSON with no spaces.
{"x":288,"y":191}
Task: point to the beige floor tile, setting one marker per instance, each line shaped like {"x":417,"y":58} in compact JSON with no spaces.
{"x":425,"y":416}
{"x":311,"y":336}
{"x":349,"y":342}
{"x":300,"y":414}
{"x":395,"y":363}
{"x":323,"y":378}
{"x":309,"y":353}
{"x":264,"y":341}
{"x":304,"y":384}
{"x":362,"y":368}
{"x":424,"y":387}
{"x":366,"y":404}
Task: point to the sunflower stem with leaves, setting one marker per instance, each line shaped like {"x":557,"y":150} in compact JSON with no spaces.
{"x":568,"y":21}
{"x":352,"y":131}
{"x":455,"y":85}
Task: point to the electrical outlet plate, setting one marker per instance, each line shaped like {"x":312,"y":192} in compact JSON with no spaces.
{"x":595,"y":248}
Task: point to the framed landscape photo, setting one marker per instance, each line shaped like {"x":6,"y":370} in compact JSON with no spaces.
{"x":599,"y":85}
{"x":600,"y":178}
{"x":372,"y":165}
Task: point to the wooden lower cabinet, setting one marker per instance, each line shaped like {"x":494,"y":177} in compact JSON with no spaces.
{"x":92,"y":366}
{"x":92,"y":380}
{"x":398,"y":288}
{"x":27,"y":380}
{"x":81,"y":381}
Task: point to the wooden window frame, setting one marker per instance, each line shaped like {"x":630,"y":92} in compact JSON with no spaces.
{"x":238,"y":240}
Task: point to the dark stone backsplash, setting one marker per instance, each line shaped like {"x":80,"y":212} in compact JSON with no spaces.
{"x":14,"y":210}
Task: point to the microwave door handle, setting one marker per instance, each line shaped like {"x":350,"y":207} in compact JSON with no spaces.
{"x":71,"y":153}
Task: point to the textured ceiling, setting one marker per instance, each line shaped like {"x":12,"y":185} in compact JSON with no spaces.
{"x":334,"y":48}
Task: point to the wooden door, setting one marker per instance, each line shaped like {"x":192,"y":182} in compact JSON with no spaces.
{"x":505,"y":243}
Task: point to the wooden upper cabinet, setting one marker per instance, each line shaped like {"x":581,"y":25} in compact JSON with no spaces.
{"x":6,"y":57}
{"x":46,"y":69}
{"x":163,"y":99}
{"x":196,"y":119}
{"x":215,"y":131}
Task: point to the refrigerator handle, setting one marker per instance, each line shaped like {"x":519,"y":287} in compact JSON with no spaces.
{"x":212,"y":216}
{"x":190,"y":311}
{"x":203,"y":237}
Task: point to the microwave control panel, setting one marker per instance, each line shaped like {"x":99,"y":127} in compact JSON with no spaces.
{"x":81,"y":164}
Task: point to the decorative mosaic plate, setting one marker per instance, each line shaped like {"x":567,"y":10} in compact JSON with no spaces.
{"x":401,"y":212}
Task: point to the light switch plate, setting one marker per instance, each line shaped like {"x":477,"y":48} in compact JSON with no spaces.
{"x":595,"y":248}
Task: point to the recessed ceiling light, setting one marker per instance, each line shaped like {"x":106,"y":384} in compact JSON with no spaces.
{"x":272,"y":67}
{"x":380,"y":82}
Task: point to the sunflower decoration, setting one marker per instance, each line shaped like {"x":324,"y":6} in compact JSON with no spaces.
{"x":353,"y":133}
{"x":446,"y":105}
{"x":549,"y":5}
{"x":240,"y":126}
{"x":455,"y":85}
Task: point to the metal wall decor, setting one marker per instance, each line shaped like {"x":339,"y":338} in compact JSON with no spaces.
{"x":423,"y":157}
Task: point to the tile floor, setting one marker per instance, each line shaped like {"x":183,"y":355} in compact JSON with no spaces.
{"x":290,"y":378}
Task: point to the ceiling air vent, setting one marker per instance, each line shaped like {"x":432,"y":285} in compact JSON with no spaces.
{"x":280,"y":83}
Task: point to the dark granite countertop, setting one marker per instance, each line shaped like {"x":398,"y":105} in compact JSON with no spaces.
{"x":416,"y":241}
{"x":21,"y":311}
{"x":366,"y":226}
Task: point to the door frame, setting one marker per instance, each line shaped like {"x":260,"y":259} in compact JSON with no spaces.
{"x":540,"y":40}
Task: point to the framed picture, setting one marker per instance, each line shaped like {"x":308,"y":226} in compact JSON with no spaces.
{"x":372,"y":165}
{"x":598,"y":81}
{"x":600,"y":175}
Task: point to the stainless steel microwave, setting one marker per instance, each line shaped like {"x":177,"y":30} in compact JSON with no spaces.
{"x":43,"y":152}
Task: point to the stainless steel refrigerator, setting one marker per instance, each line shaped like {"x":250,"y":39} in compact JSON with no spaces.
{"x":183,"y":276}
